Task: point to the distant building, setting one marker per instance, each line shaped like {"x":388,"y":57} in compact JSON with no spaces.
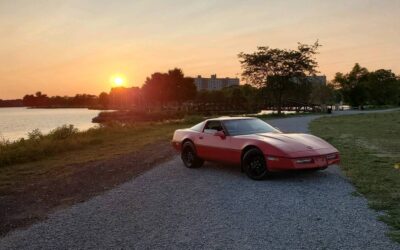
{"x":314,"y":80}
{"x":214,"y":83}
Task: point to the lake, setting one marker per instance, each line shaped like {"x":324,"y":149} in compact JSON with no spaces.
{"x":17,"y":122}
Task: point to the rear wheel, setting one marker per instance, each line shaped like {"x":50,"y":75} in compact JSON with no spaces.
{"x":189,"y":156}
{"x":254,"y":164}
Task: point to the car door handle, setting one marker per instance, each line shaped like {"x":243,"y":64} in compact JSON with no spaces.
{"x":201,"y":137}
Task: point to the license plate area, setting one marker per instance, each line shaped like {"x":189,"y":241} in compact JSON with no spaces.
{"x":320,"y":161}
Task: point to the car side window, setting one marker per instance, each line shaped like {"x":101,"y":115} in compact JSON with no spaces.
{"x":212,"y":127}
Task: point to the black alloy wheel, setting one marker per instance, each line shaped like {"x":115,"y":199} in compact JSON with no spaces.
{"x":189,"y":156}
{"x":254,"y":164}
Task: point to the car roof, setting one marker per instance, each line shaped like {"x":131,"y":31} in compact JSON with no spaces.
{"x":228,"y":118}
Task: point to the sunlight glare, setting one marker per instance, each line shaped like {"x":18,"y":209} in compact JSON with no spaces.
{"x":117,"y":81}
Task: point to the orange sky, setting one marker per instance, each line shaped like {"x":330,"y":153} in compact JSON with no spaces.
{"x":69,"y":47}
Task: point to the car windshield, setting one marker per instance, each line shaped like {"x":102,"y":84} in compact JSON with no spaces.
{"x":248,"y":126}
{"x":198,"y":127}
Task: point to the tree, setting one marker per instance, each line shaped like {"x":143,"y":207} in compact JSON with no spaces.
{"x":253,"y":95}
{"x":360,"y":87}
{"x":183,"y":87}
{"x":277,"y":68}
{"x":354,"y":85}
{"x":28,"y":100}
{"x":323,"y":95}
{"x":124,"y":97}
{"x":173,"y":86}
{"x":383,"y":87}
{"x":104,"y":99}
{"x":300,"y":89}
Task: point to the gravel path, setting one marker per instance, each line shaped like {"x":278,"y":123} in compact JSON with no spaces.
{"x":215,"y":207}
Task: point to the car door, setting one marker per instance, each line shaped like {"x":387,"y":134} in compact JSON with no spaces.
{"x":211,"y":146}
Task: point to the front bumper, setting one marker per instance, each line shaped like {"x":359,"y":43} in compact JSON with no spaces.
{"x":176,"y":145}
{"x":318,"y":161}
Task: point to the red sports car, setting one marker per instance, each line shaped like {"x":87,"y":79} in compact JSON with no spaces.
{"x":254,"y":144}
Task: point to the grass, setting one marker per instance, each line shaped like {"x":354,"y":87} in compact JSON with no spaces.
{"x":111,"y":139}
{"x":379,"y":107}
{"x":40,"y":155}
{"x":370,"y":151}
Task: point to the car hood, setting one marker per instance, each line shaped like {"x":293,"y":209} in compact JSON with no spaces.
{"x":293,"y":142}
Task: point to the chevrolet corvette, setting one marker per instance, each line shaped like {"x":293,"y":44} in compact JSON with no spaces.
{"x":254,"y":144}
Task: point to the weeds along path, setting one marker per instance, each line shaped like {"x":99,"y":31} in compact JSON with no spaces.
{"x":216,"y":207}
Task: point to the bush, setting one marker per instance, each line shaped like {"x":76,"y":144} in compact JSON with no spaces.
{"x":37,"y":145}
{"x":35,"y":135}
{"x":63,"y":132}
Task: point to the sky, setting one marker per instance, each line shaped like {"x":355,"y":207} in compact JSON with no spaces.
{"x":65,"y":47}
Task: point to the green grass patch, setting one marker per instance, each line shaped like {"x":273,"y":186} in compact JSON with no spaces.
{"x":370,"y":149}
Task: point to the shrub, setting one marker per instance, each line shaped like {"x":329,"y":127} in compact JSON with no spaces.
{"x":34,"y":135}
{"x":63,"y":132}
{"x":37,"y":145}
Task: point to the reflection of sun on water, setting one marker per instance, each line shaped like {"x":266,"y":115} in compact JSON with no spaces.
{"x":117,"y":81}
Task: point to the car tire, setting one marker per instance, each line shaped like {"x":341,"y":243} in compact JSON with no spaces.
{"x":189,"y":156}
{"x":254,"y":164}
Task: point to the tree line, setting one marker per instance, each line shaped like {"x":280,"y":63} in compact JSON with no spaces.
{"x":284,"y":75}
{"x":42,"y":100}
{"x":275,"y":78}
{"x":11,"y":103}
{"x":361,"y":87}
{"x":158,"y":90}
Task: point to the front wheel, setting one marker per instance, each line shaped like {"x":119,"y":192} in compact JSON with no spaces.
{"x":254,"y":164}
{"x":189,"y":156}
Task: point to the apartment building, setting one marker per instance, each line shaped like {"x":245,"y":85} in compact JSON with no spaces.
{"x":214,"y":83}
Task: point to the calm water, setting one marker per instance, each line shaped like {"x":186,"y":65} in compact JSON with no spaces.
{"x":17,"y":122}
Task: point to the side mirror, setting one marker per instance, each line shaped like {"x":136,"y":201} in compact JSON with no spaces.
{"x":220,"y":134}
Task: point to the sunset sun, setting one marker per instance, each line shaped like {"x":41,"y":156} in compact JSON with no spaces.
{"x":117,"y":81}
